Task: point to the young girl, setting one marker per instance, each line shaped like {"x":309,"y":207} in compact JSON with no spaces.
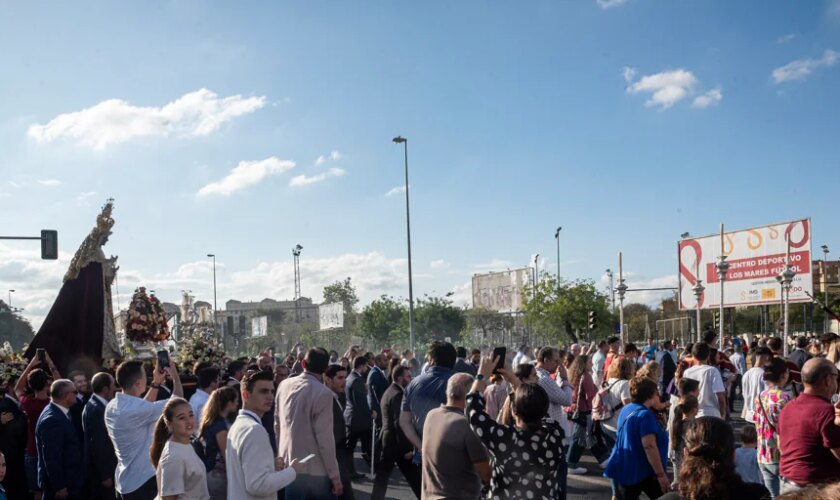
{"x":213,"y":430}
{"x":180,"y":473}
{"x":684,"y":412}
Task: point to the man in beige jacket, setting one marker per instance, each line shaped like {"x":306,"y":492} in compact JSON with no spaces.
{"x":303,"y":422}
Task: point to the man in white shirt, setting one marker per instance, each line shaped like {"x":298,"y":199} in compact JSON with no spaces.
{"x":753,"y":382}
{"x":559,"y":391}
{"x":738,"y":359}
{"x":130,"y":421}
{"x":208,"y":381}
{"x":252,"y":471}
{"x":520,"y":357}
{"x":599,"y":359}
{"x":712,"y":392}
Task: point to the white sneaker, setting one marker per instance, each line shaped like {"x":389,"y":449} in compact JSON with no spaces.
{"x":577,"y":471}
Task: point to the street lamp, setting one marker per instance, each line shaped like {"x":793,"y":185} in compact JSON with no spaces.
{"x":722,"y":267}
{"x":402,"y":140}
{"x":786,"y":280}
{"x":215,"y":326}
{"x":621,"y":289}
{"x":698,"y":294}
{"x":825,"y":286}
{"x":557,"y":237}
{"x":10,"y":299}
{"x":612,"y":289}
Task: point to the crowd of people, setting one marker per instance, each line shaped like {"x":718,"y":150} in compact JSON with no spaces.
{"x":459,"y":424}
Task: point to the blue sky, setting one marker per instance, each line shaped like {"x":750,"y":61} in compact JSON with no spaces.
{"x":627,"y":123}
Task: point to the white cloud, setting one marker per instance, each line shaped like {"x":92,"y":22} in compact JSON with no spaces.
{"x":666,"y":88}
{"x":84,"y":197}
{"x":801,"y":68}
{"x":335,"y":155}
{"x":710,"y":98}
{"x":114,"y":121}
{"x":305,"y":180}
{"x":670,"y":87}
{"x":49,"y":182}
{"x":438,"y":264}
{"x":462,"y":295}
{"x":786,"y":38}
{"x":320,"y":160}
{"x":395,"y":191}
{"x":495,"y":265}
{"x":245,"y":174}
{"x":608,"y":4}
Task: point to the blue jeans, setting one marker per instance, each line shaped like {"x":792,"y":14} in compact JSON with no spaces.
{"x":580,"y":435}
{"x":307,"y":487}
{"x":770,"y":473}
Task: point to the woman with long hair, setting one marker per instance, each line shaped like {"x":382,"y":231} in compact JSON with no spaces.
{"x":684,"y":413}
{"x":637,"y":463}
{"x":525,"y":373}
{"x":708,"y":468}
{"x":180,"y":473}
{"x":580,"y":414}
{"x":618,"y":393}
{"x":213,"y":431}
{"x":768,"y":406}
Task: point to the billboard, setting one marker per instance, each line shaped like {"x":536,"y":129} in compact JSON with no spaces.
{"x":756,"y":256}
{"x":259,"y":326}
{"x":501,"y":291}
{"x":331,"y":315}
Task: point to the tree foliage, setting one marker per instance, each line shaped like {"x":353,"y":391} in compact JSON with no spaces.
{"x":556,"y":311}
{"x":14,"y":328}
{"x":344,"y":292}
{"x":436,"y":318}
{"x":384,"y":319}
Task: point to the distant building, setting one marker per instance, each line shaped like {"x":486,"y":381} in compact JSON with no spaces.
{"x":235,"y":319}
{"x":826,"y":275}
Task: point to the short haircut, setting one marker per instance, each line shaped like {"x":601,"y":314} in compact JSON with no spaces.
{"x":442,"y":354}
{"x":774,"y":369}
{"x":201,"y":365}
{"x":816,"y":369}
{"x":642,"y":389}
{"x":461,"y":351}
{"x":545,"y":354}
{"x":749,"y":434}
{"x":687,"y":386}
{"x":630,"y":348}
{"x":76,"y":373}
{"x":333,"y":370}
{"x":801,"y":342}
{"x":602,"y":344}
{"x":37,"y":379}
{"x":613,"y":340}
{"x":399,"y":371}
{"x":709,"y":337}
{"x":523,"y":371}
{"x":60,"y":388}
{"x":251,"y":377}
{"x":701,"y":351}
{"x":475,"y":351}
{"x":207,"y":376}
{"x":359,"y":361}
{"x":235,"y":366}
{"x":666,"y":344}
{"x":775,"y":344}
{"x":317,"y":359}
{"x":458,"y":386}
{"x":101,"y":381}
{"x":129,"y":373}
{"x":763,"y":351}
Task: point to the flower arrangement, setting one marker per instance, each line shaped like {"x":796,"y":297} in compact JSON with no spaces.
{"x":146,"y":318}
{"x":12,"y":364}
{"x":198,"y":344}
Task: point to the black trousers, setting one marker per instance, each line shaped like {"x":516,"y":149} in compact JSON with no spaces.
{"x":650,"y":487}
{"x":363,"y":436}
{"x":390,"y":458}
{"x":146,"y":492}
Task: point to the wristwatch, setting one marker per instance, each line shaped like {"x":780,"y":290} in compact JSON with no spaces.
{"x":479,"y":377}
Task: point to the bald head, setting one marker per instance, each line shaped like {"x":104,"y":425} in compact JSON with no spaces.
{"x":457,"y":389}
{"x":820,"y":377}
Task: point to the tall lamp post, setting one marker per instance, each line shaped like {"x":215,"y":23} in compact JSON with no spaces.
{"x":10,"y":299}
{"x":557,"y":237}
{"x":621,"y":289}
{"x":722,"y":267}
{"x":698,"y":289}
{"x":402,"y":140}
{"x":786,"y":281}
{"x":215,"y":307}
{"x":825,"y":286}
{"x":612,"y":289}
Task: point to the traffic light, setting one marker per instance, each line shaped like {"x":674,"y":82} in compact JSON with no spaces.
{"x":593,"y":320}
{"x":49,"y":244}
{"x":717,"y":319}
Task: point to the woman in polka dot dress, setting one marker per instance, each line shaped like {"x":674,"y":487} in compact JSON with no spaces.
{"x":526,"y":456}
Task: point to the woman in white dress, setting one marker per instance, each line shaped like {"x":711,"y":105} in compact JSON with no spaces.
{"x":180,"y":473}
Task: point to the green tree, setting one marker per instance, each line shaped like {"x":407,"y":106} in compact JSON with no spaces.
{"x":555,"y":310}
{"x":640,"y":320}
{"x":384,"y":320}
{"x":436,"y":318}
{"x":344,"y":292}
{"x":14,"y":328}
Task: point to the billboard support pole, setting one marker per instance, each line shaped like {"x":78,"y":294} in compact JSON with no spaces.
{"x":722,"y":267}
{"x":787,"y":280}
{"x":621,"y":289}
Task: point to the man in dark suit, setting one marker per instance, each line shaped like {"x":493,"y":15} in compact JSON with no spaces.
{"x":396,"y":449}
{"x":461,"y":364}
{"x":335,"y":378}
{"x":61,"y":470}
{"x":377,"y":382}
{"x":99,"y":450}
{"x":357,"y":414}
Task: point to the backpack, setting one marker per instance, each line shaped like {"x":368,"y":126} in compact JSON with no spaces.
{"x":601,"y":409}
